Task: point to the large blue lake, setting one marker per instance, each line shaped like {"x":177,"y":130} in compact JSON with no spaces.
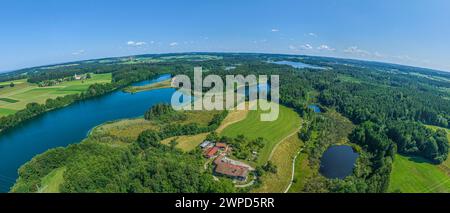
{"x":296,"y":64}
{"x":70,"y":125}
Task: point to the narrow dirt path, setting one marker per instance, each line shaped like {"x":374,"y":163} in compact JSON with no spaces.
{"x":293,"y":171}
{"x":293,"y":161}
{"x":281,"y":141}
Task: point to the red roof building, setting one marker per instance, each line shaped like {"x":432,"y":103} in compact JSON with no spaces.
{"x":233,"y":171}
{"x":226,"y":167}
{"x":221,"y":145}
{"x":218,"y":160}
{"x":211,"y":152}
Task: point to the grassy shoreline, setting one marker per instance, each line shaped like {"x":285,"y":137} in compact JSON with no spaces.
{"x":157,"y":85}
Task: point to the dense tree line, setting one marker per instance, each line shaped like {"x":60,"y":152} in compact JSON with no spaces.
{"x":158,"y":110}
{"x":415,"y":139}
{"x":382,"y":150}
{"x":94,"y":167}
{"x":163,"y":112}
{"x":365,"y":102}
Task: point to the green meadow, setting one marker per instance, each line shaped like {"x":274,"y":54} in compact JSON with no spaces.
{"x":19,"y":81}
{"x":417,"y":175}
{"x":4,"y":112}
{"x":301,"y":173}
{"x":283,"y":157}
{"x":51,"y":182}
{"x":273,"y":132}
{"x":16,"y":98}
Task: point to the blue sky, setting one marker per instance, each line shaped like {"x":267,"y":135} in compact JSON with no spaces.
{"x":412,"y":32}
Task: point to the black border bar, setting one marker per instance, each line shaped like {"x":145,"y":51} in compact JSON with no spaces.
{"x":153,"y":202}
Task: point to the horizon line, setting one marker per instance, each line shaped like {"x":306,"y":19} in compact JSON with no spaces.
{"x":213,"y":52}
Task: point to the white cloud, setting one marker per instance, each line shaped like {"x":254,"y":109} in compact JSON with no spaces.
{"x":357,"y":51}
{"x":378,"y":55}
{"x":306,"y":47}
{"x":275,"y":30}
{"x":325,"y":47}
{"x":78,"y":52}
{"x":173,"y":44}
{"x":301,"y":47}
{"x":312,"y":34}
{"x":136,"y":43}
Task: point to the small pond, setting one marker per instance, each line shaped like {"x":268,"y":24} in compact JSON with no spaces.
{"x":315,"y":108}
{"x":338,"y":161}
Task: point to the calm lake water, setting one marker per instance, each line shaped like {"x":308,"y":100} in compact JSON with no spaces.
{"x":296,"y":64}
{"x":338,"y":162}
{"x":70,"y":125}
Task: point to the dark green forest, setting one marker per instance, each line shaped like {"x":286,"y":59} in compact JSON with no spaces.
{"x":142,"y":166}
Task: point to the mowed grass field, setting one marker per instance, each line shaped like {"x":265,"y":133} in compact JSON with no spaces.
{"x":282,"y":157}
{"x":272,"y":131}
{"x":186,"y":142}
{"x":16,"y":98}
{"x":51,"y":182}
{"x":417,"y":175}
{"x":18,"y":81}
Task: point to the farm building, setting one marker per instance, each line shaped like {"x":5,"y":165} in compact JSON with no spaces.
{"x":205,"y":144}
{"x":230,"y":168}
{"x":211,"y":152}
{"x":222,"y":146}
{"x":232,"y":171}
